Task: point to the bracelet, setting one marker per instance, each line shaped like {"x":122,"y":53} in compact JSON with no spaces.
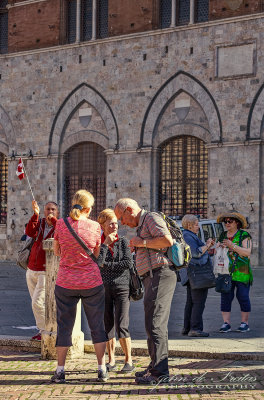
{"x":234,"y":246}
{"x":145,"y":243}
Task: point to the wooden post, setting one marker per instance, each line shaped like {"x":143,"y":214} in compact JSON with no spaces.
{"x":48,"y":338}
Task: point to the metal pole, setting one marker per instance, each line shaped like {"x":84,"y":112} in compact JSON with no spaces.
{"x":192,"y":11}
{"x":94,"y":24}
{"x":28,"y":180}
{"x":78,"y":21}
{"x":173,"y":14}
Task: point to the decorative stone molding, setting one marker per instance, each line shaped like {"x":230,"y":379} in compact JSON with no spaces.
{"x":82,"y":93}
{"x":181,"y":81}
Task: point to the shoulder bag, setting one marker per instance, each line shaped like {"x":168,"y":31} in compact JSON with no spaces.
{"x":223,"y":282}
{"x":136,"y":288}
{"x":201,"y":276}
{"x":80,"y":241}
{"x":24,"y":253}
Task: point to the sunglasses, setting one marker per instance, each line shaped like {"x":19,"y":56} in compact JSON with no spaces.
{"x":228,"y":221}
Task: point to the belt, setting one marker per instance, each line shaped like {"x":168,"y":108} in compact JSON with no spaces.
{"x":148,"y":273}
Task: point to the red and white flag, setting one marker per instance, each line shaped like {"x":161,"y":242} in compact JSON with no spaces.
{"x":20,"y":170}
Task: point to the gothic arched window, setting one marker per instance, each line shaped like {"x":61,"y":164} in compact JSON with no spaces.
{"x":183,"y":176}
{"x":85,"y":168}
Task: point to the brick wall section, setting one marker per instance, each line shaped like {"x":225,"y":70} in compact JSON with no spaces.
{"x":34,"y":26}
{"x":219,"y":9}
{"x":126,"y":16}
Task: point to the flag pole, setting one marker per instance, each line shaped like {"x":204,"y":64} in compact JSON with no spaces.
{"x":28,"y":180}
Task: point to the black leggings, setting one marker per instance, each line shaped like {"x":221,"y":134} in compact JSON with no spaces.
{"x":116,"y":315}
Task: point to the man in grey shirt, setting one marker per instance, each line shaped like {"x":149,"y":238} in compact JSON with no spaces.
{"x":159,"y":279}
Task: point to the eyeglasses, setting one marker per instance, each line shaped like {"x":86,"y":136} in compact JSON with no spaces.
{"x":228,"y":221}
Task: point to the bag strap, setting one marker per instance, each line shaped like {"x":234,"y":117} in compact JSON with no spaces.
{"x":148,"y":254}
{"x":236,"y":258}
{"x":80,"y":241}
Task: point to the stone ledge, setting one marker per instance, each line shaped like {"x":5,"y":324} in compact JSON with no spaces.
{"x":21,"y":343}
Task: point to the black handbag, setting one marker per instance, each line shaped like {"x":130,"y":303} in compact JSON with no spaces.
{"x":201,"y":276}
{"x":136,"y":288}
{"x":223,"y":282}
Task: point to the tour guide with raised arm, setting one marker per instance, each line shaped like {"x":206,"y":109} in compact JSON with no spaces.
{"x":159,"y":279}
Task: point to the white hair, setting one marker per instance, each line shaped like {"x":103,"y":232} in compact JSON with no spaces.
{"x":188,"y":219}
{"x":122,"y":204}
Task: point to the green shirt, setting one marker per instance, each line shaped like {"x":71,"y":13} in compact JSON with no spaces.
{"x":242,"y":272}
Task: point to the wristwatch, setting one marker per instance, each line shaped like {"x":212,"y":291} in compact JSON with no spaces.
{"x":144,"y":243}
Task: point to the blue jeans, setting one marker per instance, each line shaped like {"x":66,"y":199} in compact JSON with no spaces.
{"x":242,"y":294}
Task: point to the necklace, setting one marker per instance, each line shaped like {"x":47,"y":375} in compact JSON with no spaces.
{"x":232,"y":237}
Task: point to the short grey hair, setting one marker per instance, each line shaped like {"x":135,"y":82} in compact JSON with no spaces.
{"x":188,"y":219}
{"x":122,"y":204}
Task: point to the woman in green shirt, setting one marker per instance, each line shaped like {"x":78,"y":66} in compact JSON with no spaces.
{"x":239,"y":246}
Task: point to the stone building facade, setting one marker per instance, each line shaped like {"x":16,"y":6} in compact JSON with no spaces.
{"x":130,"y":111}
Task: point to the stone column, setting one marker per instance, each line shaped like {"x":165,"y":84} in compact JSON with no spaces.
{"x":78,"y":21}
{"x":192,"y":6}
{"x":48,"y":341}
{"x":173,"y":14}
{"x":94,"y":22}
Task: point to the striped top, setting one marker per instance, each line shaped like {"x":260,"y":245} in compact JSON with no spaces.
{"x":77,"y":270}
{"x":151,"y":225}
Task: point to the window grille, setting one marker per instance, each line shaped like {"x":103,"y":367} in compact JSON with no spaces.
{"x":202,"y":10}
{"x":85,"y":168}
{"x":183,"y":176}
{"x":102,"y":19}
{"x":87,"y":19}
{"x":71,"y":26}
{"x":165,"y":13}
{"x":183,"y":12}
{"x":3,"y":27}
{"x":3,"y":188}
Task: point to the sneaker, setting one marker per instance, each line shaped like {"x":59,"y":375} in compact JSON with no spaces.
{"x":198,"y":334}
{"x":139,"y":374}
{"x":149,"y":379}
{"x":102,"y":376}
{"x":243,"y":327}
{"x":225,"y":328}
{"x":58,"y":377}
{"x":110,"y":367}
{"x":128,"y":368}
{"x":37,"y":337}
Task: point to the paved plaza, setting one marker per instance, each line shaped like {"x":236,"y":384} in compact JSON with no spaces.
{"x":25,"y":376}
{"x":224,"y":367}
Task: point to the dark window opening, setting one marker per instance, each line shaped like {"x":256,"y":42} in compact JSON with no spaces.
{"x":3,"y":27}
{"x":183,"y":12}
{"x":102,"y":19}
{"x":87,"y":19}
{"x":165,"y":13}
{"x":202,"y":11}
{"x":85,"y":168}
{"x":3,"y":188}
{"x":71,"y":26}
{"x":183,"y":176}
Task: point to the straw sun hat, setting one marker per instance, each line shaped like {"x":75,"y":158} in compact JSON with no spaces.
{"x":233,"y":214}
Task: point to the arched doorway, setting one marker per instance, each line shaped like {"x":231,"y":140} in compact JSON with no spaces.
{"x":85,"y":168}
{"x":3,"y":188}
{"x":183,"y":176}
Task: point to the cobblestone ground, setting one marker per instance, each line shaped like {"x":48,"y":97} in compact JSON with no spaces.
{"x":25,"y":376}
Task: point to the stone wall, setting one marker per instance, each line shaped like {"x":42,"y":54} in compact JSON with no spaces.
{"x":133,"y":85}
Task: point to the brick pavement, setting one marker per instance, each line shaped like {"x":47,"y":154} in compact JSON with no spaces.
{"x":25,"y":376}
